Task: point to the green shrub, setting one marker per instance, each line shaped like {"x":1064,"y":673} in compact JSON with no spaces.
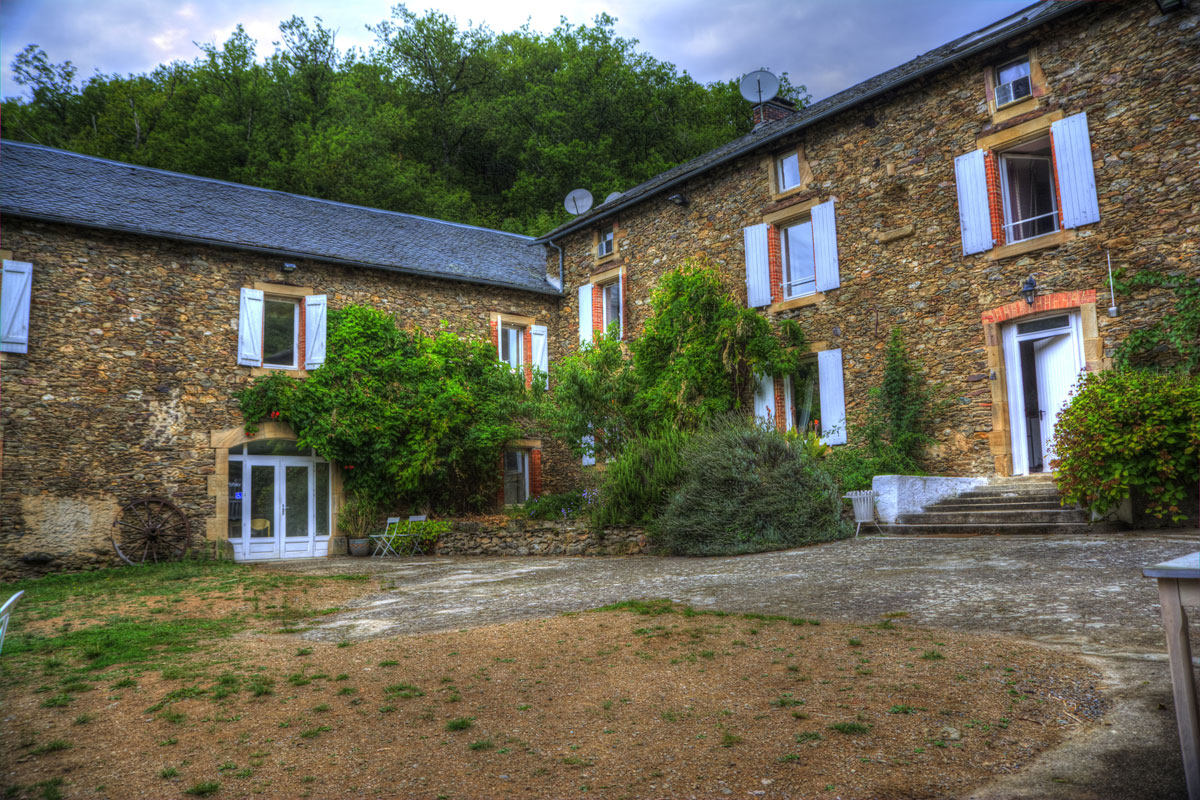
{"x":1130,"y":430}
{"x":637,"y":484}
{"x":567,"y":505}
{"x":745,"y":490}
{"x":853,"y":468}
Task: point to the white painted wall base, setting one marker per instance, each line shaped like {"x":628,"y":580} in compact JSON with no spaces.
{"x":907,"y":494}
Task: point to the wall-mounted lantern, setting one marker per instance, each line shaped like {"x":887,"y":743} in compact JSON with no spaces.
{"x":1029,"y":289}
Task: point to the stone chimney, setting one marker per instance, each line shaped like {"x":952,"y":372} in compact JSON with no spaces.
{"x":773,"y":110}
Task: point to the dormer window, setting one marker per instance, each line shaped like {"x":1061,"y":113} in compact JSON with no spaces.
{"x":1013,"y":82}
{"x":604,"y":245}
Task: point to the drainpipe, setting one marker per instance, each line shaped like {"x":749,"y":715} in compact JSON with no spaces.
{"x":560,"y":263}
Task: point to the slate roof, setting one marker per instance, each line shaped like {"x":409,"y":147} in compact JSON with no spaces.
{"x":935,"y":59}
{"x":58,"y":186}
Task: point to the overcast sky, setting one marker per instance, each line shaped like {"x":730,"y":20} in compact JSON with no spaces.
{"x":826,"y":45}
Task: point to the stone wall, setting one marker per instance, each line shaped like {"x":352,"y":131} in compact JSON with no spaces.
{"x":132,"y":364}
{"x":889,"y":164}
{"x":538,"y":538}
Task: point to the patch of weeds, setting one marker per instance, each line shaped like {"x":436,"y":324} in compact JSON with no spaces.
{"x":850,"y":728}
{"x":321,"y":709}
{"x":886,"y":625}
{"x":58,"y":701}
{"x":799,"y":715}
{"x":389,"y":663}
{"x":669,"y":716}
{"x":313,"y":733}
{"x":52,"y":746}
{"x":304,"y":651}
{"x":203,"y":789}
{"x":808,"y":736}
{"x":855,"y":642}
{"x":345,"y":690}
{"x":170,"y":740}
{"x":84,"y":719}
{"x":228,"y":766}
{"x":526,"y":706}
{"x":786,"y":700}
{"x":729,"y":739}
{"x":932,"y":655}
{"x":901,"y":709}
{"x":243,"y":773}
{"x":403,"y":690}
{"x":460,"y":723}
{"x":576,"y":761}
{"x":261,"y":685}
{"x":789,"y":758}
{"x":482,"y":744}
{"x":345,"y":643}
{"x":299,"y":679}
{"x":166,"y":773}
{"x":124,"y":683}
{"x":387,"y":709}
{"x":173,"y":717}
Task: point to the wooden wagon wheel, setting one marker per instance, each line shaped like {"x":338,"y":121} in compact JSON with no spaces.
{"x":150,"y":530}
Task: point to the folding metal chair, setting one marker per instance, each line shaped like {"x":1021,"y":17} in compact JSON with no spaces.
{"x":5,"y":613}
{"x":383,"y":543}
{"x":408,"y":542}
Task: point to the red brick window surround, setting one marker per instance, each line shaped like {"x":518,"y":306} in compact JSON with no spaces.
{"x":516,"y":347}
{"x":608,"y":301}
{"x":277,"y":295}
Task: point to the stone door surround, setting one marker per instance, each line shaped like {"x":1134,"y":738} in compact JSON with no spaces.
{"x":1000,"y":438}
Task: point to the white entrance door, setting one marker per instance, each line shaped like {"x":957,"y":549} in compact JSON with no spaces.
{"x":1043,"y":358}
{"x":1057,"y":370}
{"x":283,"y":508}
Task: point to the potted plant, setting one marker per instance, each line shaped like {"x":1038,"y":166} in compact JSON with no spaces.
{"x":356,"y":520}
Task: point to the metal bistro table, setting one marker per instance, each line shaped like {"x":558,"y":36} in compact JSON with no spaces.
{"x":1179,"y":586}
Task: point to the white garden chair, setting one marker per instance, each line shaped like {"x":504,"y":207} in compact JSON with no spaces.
{"x":5,"y":613}
{"x":384,"y":542}
{"x":864,"y":508}
{"x":407,"y":543}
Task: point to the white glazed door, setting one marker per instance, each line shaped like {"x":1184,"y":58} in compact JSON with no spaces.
{"x":296,"y":508}
{"x":1057,"y":371}
{"x":260,"y":523}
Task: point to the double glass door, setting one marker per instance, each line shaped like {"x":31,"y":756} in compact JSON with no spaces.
{"x":280,"y":509}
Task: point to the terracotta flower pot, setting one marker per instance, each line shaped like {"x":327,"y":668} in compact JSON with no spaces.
{"x":360,"y":547}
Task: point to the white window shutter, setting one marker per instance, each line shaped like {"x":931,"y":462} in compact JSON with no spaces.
{"x":758,"y":266}
{"x":589,"y":459}
{"x":764,"y":399}
{"x":974,"y":214}
{"x":250,"y":328}
{"x":833,"y":398}
{"x":585,"y":314}
{"x":499,"y":338}
{"x":825,"y":248}
{"x":541,"y":348}
{"x":621,"y":296}
{"x":314,"y":331}
{"x":16,"y":289}
{"x":1076,"y":178}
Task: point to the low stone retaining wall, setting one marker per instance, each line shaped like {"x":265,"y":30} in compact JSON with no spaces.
{"x":537,"y":538}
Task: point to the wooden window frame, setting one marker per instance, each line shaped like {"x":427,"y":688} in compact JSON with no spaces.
{"x":772,"y":165}
{"x":284,"y":292}
{"x":599,"y":236}
{"x":1031,"y":102}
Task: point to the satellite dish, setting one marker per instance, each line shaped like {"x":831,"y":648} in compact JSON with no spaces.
{"x":759,"y":86}
{"x":578,"y":201}
{"x":612,"y":197}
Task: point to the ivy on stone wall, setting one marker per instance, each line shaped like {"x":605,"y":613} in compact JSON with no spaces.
{"x":1174,"y":340}
{"x":414,"y":420}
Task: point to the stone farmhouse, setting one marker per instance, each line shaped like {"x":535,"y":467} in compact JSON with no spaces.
{"x":1023,"y":156}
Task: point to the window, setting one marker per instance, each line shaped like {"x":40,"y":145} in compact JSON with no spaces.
{"x":512,"y":345}
{"x":281,"y":340}
{"x":787,"y":171}
{"x":605,"y":243}
{"x":516,"y":476}
{"x":803,"y":393}
{"x":281,"y":327}
{"x":1013,"y":82}
{"x":1027,"y":191}
{"x":611,"y":303}
{"x":799,"y":259}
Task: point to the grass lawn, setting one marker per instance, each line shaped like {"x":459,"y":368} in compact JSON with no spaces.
{"x":196,"y":680}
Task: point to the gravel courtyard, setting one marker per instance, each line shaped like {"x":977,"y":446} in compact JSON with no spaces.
{"x":1084,"y":594}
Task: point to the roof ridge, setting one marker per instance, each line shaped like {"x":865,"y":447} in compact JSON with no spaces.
{"x":200,"y":178}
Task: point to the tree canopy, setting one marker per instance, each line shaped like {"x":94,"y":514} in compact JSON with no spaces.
{"x":457,"y":123}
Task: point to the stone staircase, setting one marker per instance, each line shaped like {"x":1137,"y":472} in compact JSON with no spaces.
{"x":1023,"y":505}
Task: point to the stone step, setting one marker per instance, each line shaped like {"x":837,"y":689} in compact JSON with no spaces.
{"x":1051,"y":517}
{"x":1021,"y":480}
{"x":1008,"y":529}
{"x":1008,"y":491}
{"x":996,"y":504}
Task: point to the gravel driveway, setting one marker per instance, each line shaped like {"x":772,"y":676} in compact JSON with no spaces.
{"x":1085,"y":594}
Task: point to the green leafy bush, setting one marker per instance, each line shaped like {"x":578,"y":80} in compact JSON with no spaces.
{"x":854,"y":467}
{"x":638,"y":482}
{"x":415,"y":420}
{"x":1174,"y":339}
{"x":358,"y":517}
{"x":568,"y":505}
{"x":1130,"y":431}
{"x":745,"y":490}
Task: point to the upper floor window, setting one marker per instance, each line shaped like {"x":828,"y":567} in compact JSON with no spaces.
{"x":281,"y":338}
{"x":611,"y":303}
{"x":787,"y":171}
{"x":1013,"y":82}
{"x":799,"y":259}
{"x":281,"y":327}
{"x":605,"y":243}
{"x":512,"y":340}
{"x":1027,"y":191}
